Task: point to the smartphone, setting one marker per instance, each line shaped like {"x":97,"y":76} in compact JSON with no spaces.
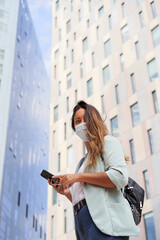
{"x":49,"y":176}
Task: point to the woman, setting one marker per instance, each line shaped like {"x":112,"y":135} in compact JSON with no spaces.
{"x":100,"y":210}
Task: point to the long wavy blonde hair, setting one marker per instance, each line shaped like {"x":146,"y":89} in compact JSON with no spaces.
{"x":96,"y":129}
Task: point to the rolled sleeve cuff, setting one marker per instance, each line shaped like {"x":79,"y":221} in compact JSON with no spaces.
{"x":119,"y":181}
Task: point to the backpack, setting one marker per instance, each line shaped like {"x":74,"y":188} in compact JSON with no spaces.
{"x":135,"y":196}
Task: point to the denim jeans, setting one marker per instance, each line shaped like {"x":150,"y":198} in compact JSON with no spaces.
{"x":87,"y":230}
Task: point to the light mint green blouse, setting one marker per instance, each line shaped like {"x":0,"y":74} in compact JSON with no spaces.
{"x":108,"y":208}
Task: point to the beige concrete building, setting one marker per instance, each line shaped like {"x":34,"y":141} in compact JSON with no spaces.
{"x":107,"y":53}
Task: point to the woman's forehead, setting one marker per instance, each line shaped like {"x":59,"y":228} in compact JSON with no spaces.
{"x":79,"y":113}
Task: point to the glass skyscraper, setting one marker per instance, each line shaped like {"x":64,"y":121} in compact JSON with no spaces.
{"x":24,"y":126}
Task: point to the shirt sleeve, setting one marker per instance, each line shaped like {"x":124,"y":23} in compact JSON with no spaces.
{"x":114,"y":160}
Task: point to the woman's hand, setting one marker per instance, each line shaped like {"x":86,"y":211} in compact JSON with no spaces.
{"x":67,"y":180}
{"x":59,"y":188}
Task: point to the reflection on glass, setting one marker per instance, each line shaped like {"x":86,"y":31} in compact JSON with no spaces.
{"x":152,"y":68}
{"x":70,"y":155}
{"x":135,"y":114}
{"x":149,"y":226}
{"x":156,"y":35}
{"x":106,"y":74}
{"x":151,"y":142}
{"x":153,"y":7}
{"x":114,"y":126}
{"x":125,"y":33}
{"x":146,"y":181}
{"x":107,"y":48}
{"x":155,"y":101}
{"x":132,"y":151}
{"x":89,"y":87}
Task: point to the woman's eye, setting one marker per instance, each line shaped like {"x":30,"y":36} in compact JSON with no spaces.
{"x":77,"y":121}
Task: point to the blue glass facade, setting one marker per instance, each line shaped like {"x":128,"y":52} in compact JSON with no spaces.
{"x":23,"y":202}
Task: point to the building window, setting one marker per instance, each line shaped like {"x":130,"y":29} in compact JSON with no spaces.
{"x":67,"y":43}
{"x":68,"y":26}
{"x":135,"y":114}
{"x":88,"y":23}
{"x":124,"y":33}
{"x":72,"y":55}
{"x":69,"y":80}
{"x":54,"y":138}
{"x":123,"y":6}
{"x":153,"y":7}
{"x":133,"y":82}
{"x":57,"y":5}
{"x":64,"y":12}
{"x":44,"y":236}
{"x":117,"y":94}
{"x":67,"y":104}
{"x":107,"y":48}
{"x":40,"y":232}
{"x":52,"y":227}
{"x":19,"y":199}
{"x":93,"y":59}
{"x":59,"y":35}
{"x":56,"y":113}
{"x":155,"y":101}
{"x":114,"y":126}
{"x":149,"y":226}
{"x":137,"y":49}
{"x":103,"y":104}
{"x":70,"y":155}
{"x":59,"y":162}
{"x":106,"y":74}
{"x":76,"y":96}
{"x":110,"y":21}
{"x":101,"y":11}
{"x":98,"y":33}
{"x":65,"y":131}
{"x":146,"y":181}
{"x":65,"y":220}
{"x":152,"y":68}
{"x":74,"y":36}
{"x":55,"y":22}
{"x":59,"y":88}
{"x":81,"y":70}
{"x":36,"y":225}
{"x":56,"y":54}
{"x":1,"y":54}
{"x":156,"y":35}
{"x":55,"y":71}
{"x":79,"y":15}
{"x":64,"y":62}
{"x":26,"y":210}
{"x":54,"y":197}
{"x":131,"y":142}
{"x":71,"y":5}
{"x":89,"y":87}
{"x":151,"y":142}
{"x":85,"y":45}
{"x":33,"y":223}
{"x":122,"y":61}
{"x":90,"y":5}
{"x":141,"y":18}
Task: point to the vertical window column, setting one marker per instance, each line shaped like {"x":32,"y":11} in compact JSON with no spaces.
{"x":146,"y":181}
{"x":151,"y":142}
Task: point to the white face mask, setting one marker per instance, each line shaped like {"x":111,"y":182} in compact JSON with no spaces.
{"x":81,"y":131}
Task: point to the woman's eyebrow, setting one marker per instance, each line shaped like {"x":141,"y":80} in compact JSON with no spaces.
{"x":77,"y":117}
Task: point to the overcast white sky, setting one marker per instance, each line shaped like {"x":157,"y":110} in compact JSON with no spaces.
{"x":41,"y":11}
